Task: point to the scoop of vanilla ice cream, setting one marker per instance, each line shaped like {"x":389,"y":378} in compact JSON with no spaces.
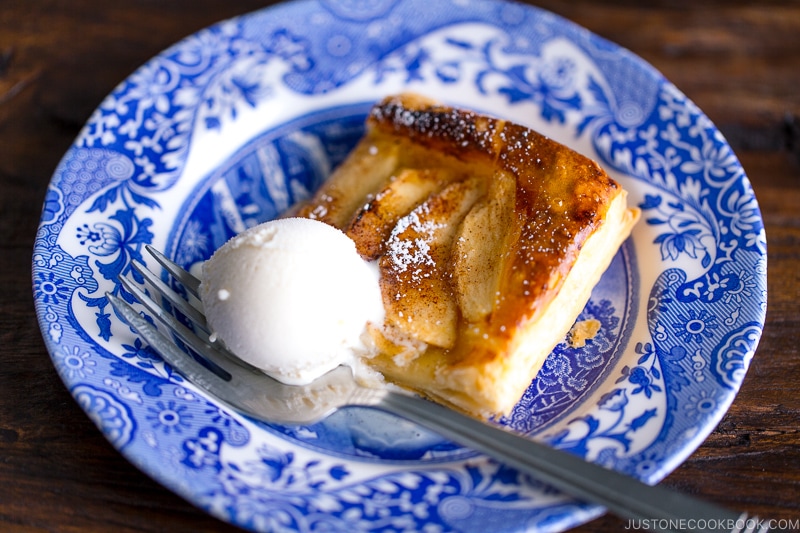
{"x":291,"y":297}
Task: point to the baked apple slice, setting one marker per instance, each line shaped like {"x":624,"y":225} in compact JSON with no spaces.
{"x":481,"y":250}
{"x":415,"y":280}
{"x":367,"y":168}
{"x":373,"y":223}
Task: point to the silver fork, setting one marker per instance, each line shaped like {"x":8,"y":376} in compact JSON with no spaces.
{"x":253,"y":393}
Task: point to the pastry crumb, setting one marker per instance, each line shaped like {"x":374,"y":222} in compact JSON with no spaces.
{"x":582,"y":331}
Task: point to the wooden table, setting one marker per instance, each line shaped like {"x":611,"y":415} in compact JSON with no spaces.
{"x":739,"y":63}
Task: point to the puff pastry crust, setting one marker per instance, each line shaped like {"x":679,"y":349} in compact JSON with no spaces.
{"x":489,"y":237}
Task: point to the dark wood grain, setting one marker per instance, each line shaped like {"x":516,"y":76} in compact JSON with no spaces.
{"x":739,"y":61}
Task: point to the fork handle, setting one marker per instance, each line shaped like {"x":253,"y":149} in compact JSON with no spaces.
{"x":654,"y":507}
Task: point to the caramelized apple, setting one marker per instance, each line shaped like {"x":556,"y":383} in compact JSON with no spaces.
{"x":374,"y":222}
{"x":481,"y":248}
{"x":415,"y":282}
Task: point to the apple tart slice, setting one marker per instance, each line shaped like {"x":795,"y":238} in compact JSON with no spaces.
{"x":489,"y":238}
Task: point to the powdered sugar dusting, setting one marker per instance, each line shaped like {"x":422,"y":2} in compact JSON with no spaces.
{"x":405,"y":253}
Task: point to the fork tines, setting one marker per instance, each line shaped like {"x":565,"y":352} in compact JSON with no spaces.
{"x":211,"y":357}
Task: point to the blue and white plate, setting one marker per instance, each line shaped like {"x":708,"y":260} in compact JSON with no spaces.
{"x":232,"y":125}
